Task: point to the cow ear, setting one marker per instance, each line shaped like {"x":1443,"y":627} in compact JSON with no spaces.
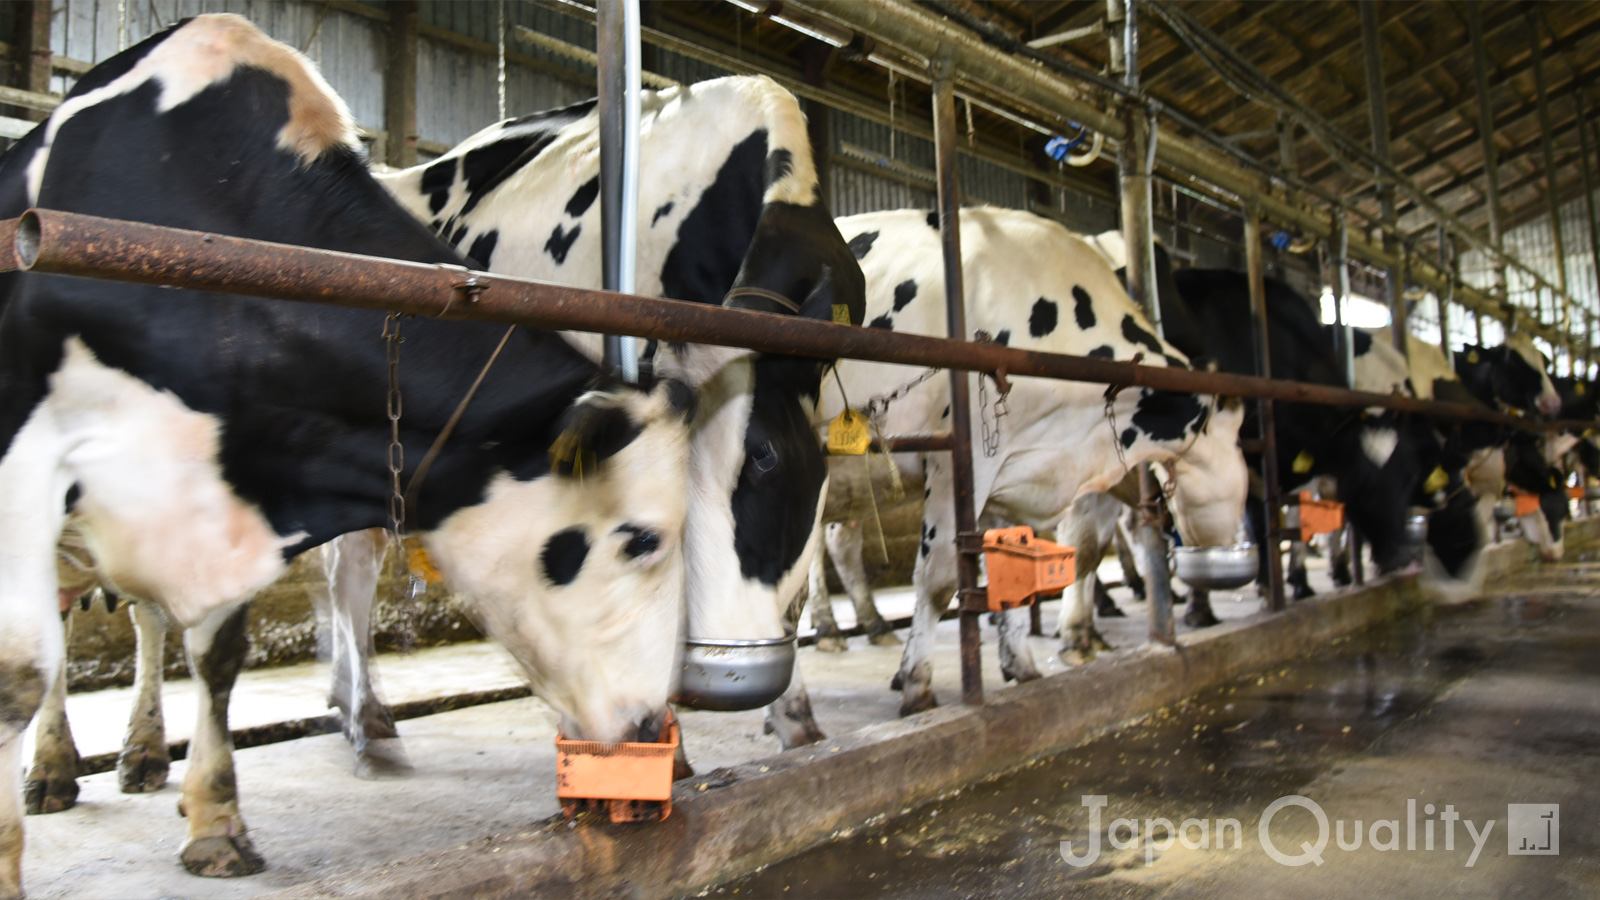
{"x":838,"y":297}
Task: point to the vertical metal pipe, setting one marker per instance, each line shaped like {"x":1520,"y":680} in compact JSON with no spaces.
{"x":618,"y":73}
{"x":1378,"y":112}
{"x":1586,"y":166}
{"x":500,"y":59}
{"x":944,"y":139}
{"x":1269,"y":436}
{"x":1491,"y":152}
{"x":1450,"y":269}
{"x":1139,"y":238}
{"x":1547,"y":139}
{"x":1344,"y":341}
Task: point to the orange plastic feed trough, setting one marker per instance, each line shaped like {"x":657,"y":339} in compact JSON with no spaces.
{"x":631,"y":782}
{"x":1319,"y":516}
{"x":1022,"y":567}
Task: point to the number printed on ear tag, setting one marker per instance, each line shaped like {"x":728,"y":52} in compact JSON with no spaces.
{"x":847,"y":434}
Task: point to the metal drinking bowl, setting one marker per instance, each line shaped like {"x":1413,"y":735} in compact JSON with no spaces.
{"x":729,"y":675}
{"x":1505,"y":509}
{"x":1416,"y":529}
{"x":1217,"y":568}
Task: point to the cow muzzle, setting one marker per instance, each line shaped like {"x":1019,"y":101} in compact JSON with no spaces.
{"x":731,"y":675}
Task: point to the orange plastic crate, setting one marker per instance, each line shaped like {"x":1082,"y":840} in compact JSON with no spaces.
{"x":1575,"y":492}
{"x":1319,"y":516}
{"x":1022,"y":567}
{"x":1527,"y":504}
{"x":631,"y":782}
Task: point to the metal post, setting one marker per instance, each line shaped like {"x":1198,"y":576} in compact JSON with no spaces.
{"x":1378,"y":111}
{"x":617,"y":69}
{"x":400,"y":86}
{"x":1139,"y":238}
{"x":1269,"y":437}
{"x":1343,"y":340}
{"x":1448,"y":266}
{"x":1585,"y":166}
{"x":1491,"y":153}
{"x":944,"y":139}
{"x":1547,"y":139}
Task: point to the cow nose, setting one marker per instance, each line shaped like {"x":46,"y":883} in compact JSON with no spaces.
{"x":1552,"y":553}
{"x":1550,"y":405}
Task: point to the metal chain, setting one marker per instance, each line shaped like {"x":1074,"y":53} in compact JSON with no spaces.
{"x":395,"y":407}
{"x":876,"y":407}
{"x":991,"y":438}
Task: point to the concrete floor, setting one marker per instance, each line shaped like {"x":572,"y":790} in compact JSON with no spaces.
{"x":1477,"y":708}
{"x":477,"y":771}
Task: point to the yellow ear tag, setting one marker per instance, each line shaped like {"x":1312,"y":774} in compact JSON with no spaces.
{"x":841,"y":314}
{"x":1579,"y":389}
{"x":1303,"y":462}
{"x":419,"y":563}
{"x":1437,"y":480}
{"x":847,"y":434}
{"x":1553,"y":482}
{"x":1472,"y":357}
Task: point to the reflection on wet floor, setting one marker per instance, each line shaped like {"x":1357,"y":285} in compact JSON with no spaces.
{"x":1226,"y":752}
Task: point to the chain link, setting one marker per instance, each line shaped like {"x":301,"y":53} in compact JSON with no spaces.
{"x":397,"y":451}
{"x":990,"y":437}
{"x":878,"y":406}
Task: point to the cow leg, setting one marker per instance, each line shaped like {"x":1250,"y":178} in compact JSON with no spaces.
{"x":1297,"y":571}
{"x":1126,"y":559}
{"x":1016,"y":658}
{"x":790,"y":718}
{"x":352,"y":564}
{"x":844,"y":544}
{"x":52,"y":783}
{"x":934,"y":580}
{"x":1080,"y":641}
{"x":829,"y":638}
{"x":218,"y":846}
{"x":143,"y":763}
{"x":1339,"y":558}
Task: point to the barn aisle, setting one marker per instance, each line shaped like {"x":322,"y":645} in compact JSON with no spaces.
{"x":1476,"y":709}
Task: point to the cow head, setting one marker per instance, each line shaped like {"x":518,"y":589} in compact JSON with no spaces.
{"x":1510,"y":375}
{"x":580,"y":574}
{"x":757,"y":469}
{"x":1528,"y":471}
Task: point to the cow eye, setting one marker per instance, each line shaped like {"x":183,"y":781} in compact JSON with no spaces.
{"x":641,"y":541}
{"x":765,"y":458}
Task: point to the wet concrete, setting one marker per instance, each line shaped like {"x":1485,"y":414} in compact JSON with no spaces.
{"x":1475,"y":708}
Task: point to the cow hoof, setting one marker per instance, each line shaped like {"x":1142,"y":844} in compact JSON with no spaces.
{"x":1022,"y":677}
{"x":1111,"y":611}
{"x":1076,"y":656}
{"x":142,"y":769}
{"x":1341,"y":578}
{"x":45,"y":795}
{"x":918,"y":700}
{"x":382,"y":759}
{"x":898,"y":682}
{"x":1303,"y":591}
{"x":222,"y":857}
{"x":1200,"y":618}
{"x":833,"y":643}
{"x":884,"y":638}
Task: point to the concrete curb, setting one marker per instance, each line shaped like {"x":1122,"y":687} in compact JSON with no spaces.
{"x":734,"y":820}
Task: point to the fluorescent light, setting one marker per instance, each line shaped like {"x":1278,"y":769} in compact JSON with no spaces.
{"x":1360,"y":312}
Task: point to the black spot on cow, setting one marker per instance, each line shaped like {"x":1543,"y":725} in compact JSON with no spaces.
{"x":946,"y":413}
{"x":933,"y":219}
{"x":1175,"y":362}
{"x":583,"y":197}
{"x":73,"y":493}
{"x":1003,"y":338}
{"x":780,"y":163}
{"x":883,"y":321}
{"x":563,"y":555}
{"x":1129,"y":435}
{"x":1082,"y":308}
{"x":1361,"y":341}
{"x":560,"y":242}
{"x":1168,"y":416}
{"x":1043,"y":319}
{"x":861,"y":244}
{"x":662,"y":210}
{"x":588,"y":435}
{"x":483,"y":248}
{"x":926,"y":545}
{"x":641,"y":541}
{"x":904,"y":293}
{"x":436,"y":181}
{"x":484,"y":168}
{"x":1137,"y":335}
{"x":459,"y":235}
{"x":1103,"y":351}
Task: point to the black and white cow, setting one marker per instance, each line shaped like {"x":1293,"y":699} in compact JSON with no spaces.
{"x":203,"y":440}
{"x":1060,"y":439}
{"x":1383,"y":463}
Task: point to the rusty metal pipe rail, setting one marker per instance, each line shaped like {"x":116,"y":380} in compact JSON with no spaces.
{"x":60,"y":243}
